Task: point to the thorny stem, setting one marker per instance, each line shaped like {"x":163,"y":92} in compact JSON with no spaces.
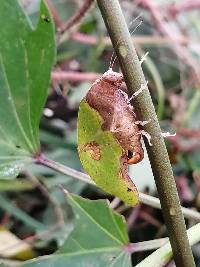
{"x":134,"y":78}
{"x":145,"y":199}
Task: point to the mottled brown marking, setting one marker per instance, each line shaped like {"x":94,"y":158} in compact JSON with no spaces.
{"x":113,"y":105}
{"x":94,"y":149}
{"x":123,"y":172}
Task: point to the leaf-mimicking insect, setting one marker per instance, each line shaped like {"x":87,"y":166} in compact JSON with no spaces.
{"x":107,"y":97}
{"x":109,"y":136}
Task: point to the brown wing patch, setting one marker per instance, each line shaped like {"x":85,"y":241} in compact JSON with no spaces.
{"x":106,"y":97}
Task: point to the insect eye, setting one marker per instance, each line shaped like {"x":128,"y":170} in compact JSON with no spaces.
{"x":130,"y":154}
{"x":133,"y":158}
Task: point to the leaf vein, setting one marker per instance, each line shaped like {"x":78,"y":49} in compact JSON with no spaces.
{"x":14,"y":108}
{"x":92,"y":219}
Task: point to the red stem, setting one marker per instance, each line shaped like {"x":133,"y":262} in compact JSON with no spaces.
{"x":72,"y":76}
{"x":183,"y":6}
{"x":77,"y":16}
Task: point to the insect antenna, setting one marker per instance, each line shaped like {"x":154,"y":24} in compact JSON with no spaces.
{"x":113,"y":56}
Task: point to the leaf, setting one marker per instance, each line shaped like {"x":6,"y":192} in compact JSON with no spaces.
{"x":16,"y":185}
{"x":26,"y":58}
{"x":16,"y":212}
{"x":13,"y":247}
{"x":101,"y":156}
{"x":52,"y":179}
{"x":99,"y":238}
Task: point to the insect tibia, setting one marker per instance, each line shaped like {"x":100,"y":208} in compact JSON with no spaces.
{"x":167,"y":134}
{"x":142,"y":123}
{"x":147,"y":135}
{"x":143,"y":58}
{"x":142,"y":87}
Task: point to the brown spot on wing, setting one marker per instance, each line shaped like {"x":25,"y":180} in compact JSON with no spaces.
{"x":124,"y":175}
{"x":93,"y":148}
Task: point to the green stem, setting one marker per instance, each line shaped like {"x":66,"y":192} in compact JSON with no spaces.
{"x":134,"y":78}
{"x":144,"y":198}
{"x":163,"y":255}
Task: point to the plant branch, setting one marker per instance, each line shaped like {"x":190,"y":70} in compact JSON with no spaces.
{"x":183,"y":6}
{"x":145,"y":199}
{"x":57,"y":209}
{"x":146,"y":245}
{"x":162,"y":25}
{"x":54,"y":13}
{"x":73,"y":76}
{"x":141,"y":39}
{"x":163,"y":255}
{"x":77,"y":16}
{"x":134,"y":78}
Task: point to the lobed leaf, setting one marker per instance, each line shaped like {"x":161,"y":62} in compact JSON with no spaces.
{"x":99,"y":238}
{"x":26,"y":58}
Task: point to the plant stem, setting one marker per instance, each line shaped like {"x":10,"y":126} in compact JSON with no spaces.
{"x":134,"y":78}
{"x":145,"y":199}
{"x":147,"y":245}
{"x":77,"y":16}
{"x":163,"y":255}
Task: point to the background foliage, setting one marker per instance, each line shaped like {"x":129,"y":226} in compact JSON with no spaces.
{"x":32,"y":207}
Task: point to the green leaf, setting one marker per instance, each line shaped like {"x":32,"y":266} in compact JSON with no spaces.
{"x":107,"y":168}
{"x":16,"y":212}
{"x":26,"y":58}
{"x":16,"y":185}
{"x":99,"y":238}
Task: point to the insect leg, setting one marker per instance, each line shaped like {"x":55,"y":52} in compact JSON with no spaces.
{"x":167,"y":134}
{"x":148,"y":137}
{"x":144,"y":57}
{"x":142,"y":123}
{"x":143,"y":86}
